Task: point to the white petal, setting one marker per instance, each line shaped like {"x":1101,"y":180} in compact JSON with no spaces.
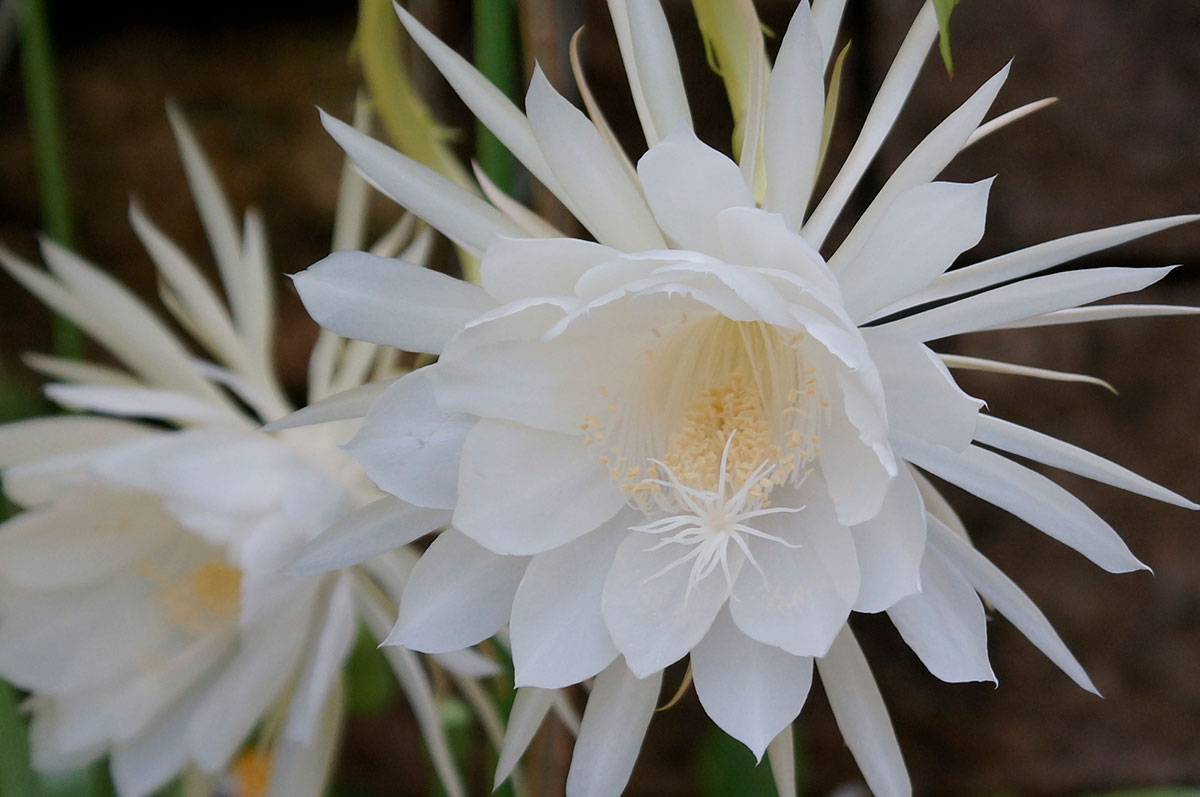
{"x":1043,"y":448}
{"x":1039,"y":257}
{"x":782,"y":755}
{"x":490,"y":371}
{"x":381,"y":300}
{"x":653,"y":618}
{"x":795,"y":112}
{"x":999,"y":590}
{"x":410,"y":447}
{"x":856,"y":471}
{"x":615,"y":721}
{"x":945,"y":624}
{"x":521,"y":268}
{"x":923,"y":400}
{"x":890,"y":547}
{"x":302,"y":770}
{"x":884,"y":110}
{"x":687,"y":183}
{"x":43,"y":438}
{"x":468,"y":663}
{"x":558,"y":633}
{"x":528,"y":710}
{"x":1100,"y":312}
{"x":249,"y":684}
{"x":534,"y":225}
{"x":1028,"y":495}
{"x":1025,"y":299}
{"x":751,"y":690}
{"x":212,"y":320}
{"x":243,"y":279}
{"x":936,"y":505}
{"x":827,"y":18}
{"x":341,"y":406}
{"x":804,"y":594}
{"x":143,"y":764}
{"x":80,"y":538}
{"x":955,"y":361}
{"x":453,"y":210}
{"x":923,"y":164}
{"x":525,"y":491}
{"x":657,"y":66}
{"x":379,"y":526}
{"x":110,"y":314}
{"x":610,"y":204}
{"x":139,"y":402}
{"x":458,"y":594}
{"x":320,"y":670}
{"x":761,"y":240}
{"x":862,"y":718}
{"x":916,"y":239}
{"x":488,"y":103}
{"x":258,"y":324}
{"x":63,"y":369}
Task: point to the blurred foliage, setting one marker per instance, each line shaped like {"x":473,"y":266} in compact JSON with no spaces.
{"x":370,"y":684}
{"x":726,"y":768}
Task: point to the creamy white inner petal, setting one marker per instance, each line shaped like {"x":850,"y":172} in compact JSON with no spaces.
{"x":718,"y":415}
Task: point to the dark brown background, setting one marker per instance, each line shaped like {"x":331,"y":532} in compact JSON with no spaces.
{"x":1120,"y":146}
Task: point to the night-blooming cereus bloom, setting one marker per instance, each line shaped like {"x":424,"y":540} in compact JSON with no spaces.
{"x":697,"y":435}
{"x":144,"y":598}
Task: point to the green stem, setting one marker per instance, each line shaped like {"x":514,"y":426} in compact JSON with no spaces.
{"x":496,"y":57}
{"x":16,"y":778}
{"x":37,"y":64}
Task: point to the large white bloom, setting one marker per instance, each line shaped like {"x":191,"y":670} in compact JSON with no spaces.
{"x":697,"y":435}
{"x":143,"y":598}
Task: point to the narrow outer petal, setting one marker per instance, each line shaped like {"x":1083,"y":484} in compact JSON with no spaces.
{"x":862,"y":717}
{"x":614,"y":723}
{"x":381,"y":300}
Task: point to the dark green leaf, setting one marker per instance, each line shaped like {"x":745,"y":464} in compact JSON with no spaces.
{"x":727,"y":768}
{"x":369,"y":681}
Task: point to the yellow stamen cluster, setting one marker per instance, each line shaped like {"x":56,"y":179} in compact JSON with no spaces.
{"x":205,"y":598}
{"x":694,"y":454}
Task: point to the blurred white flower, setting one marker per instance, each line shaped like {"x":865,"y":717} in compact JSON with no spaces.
{"x":697,"y":435}
{"x":144,"y":595}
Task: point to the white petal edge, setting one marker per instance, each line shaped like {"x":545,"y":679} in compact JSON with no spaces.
{"x":862,"y":717}
{"x":615,"y":721}
{"x":387,"y":301}
{"x":1028,"y":495}
{"x":1000,"y":591}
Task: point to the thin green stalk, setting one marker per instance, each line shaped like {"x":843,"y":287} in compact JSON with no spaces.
{"x":16,"y":778}
{"x":37,"y":64}
{"x":496,"y":57}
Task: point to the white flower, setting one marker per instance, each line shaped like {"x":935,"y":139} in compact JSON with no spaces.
{"x":144,"y":599}
{"x":696,"y":435}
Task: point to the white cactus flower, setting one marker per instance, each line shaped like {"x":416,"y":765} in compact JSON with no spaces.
{"x":146,"y":601}
{"x":697,"y":434}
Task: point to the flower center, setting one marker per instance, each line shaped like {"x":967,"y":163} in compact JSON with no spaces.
{"x":712,"y":520}
{"x":202,"y":600}
{"x":706,"y":380}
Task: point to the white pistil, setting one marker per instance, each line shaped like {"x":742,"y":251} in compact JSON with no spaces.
{"x":713,"y":522}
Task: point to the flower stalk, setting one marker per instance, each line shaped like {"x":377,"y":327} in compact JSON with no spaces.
{"x":37,"y":66}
